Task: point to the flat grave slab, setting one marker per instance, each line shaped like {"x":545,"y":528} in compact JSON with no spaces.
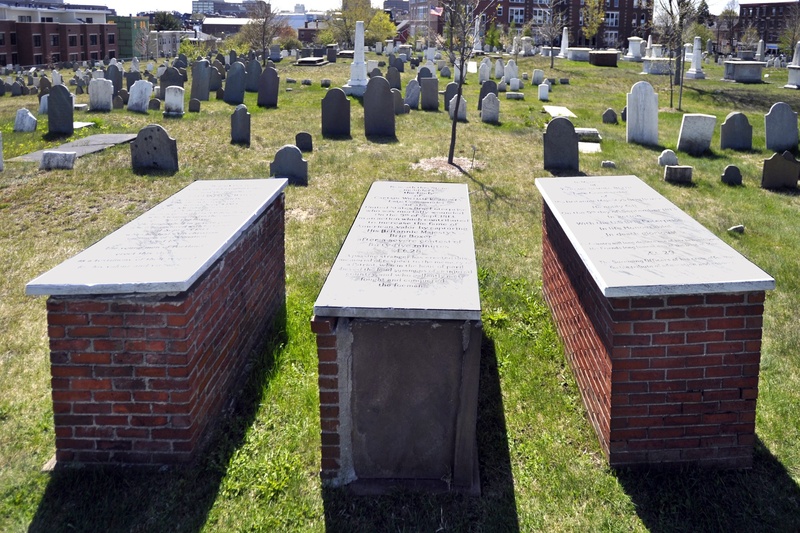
{"x":589,"y":148}
{"x":167,"y":248}
{"x":558,"y":111}
{"x":635,"y":242}
{"x":409,"y":254}
{"x":87,"y":145}
{"x":311,"y":62}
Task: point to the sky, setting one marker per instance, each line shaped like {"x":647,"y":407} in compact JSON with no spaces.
{"x":126,"y":7}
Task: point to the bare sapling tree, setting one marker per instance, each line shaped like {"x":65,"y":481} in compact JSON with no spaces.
{"x":552,"y":27}
{"x":264,"y":25}
{"x":671,"y":17}
{"x":462,"y":17}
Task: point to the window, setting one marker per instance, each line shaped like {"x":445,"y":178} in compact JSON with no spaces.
{"x":2,"y":38}
{"x":47,"y":19}
{"x":610,"y":38}
{"x":55,"y":58}
{"x":539,"y":16}
{"x":643,"y":21}
{"x":94,"y":56}
{"x":53,"y":39}
{"x":14,"y":59}
{"x":93,"y":39}
{"x":37,"y":59}
{"x":580,"y":18}
{"x":635,"y":4}
{"x":37,"y":41}
{"x":612,"y":19}
{"x":73,"y":40}
{"x":633,"y":22}
{"x":499,"y":11}
{"x":111,"y":38}
{"x":83,"y":40}
{"x":24,"y":18}
{"x":516,"y":15}
{"x":616,"y":3}
{"x":3,"y":60}
{"x":89,"y":20}
{"x":112,"y":54}
{"x":73,"y":57}
{"x":517,"y":1}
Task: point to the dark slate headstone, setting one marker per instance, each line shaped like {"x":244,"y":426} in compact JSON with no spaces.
{"x":60,"y":111}
{"x":399,"y":65}
{"x":201,"y":78}
{"x":240,"y":125}
{"x":170,"y":77}
{"x":429,"y":94}
{"x":375,"y":72}
{"x":379,"y":109}
{"x":154,"y":104}
{"x":220,"y":94}
{"x":624,"y":114}
{"x":393,"y":77}
{"x":154,"y":149}
{"x":117,"y":102}
{"x":114,"y":73}
{"x":335,"y":114}
{"x":268,"y":86}
{"x":252,"y":77}
{"x":304,"y":142}
{"x":125,"y":95}
{"x":221,"y":68}
{"x":44,"y":85}
{"x":194,"y":105}
{"x":331,"y":55}
{"x":560,"y":146}
{"x":289,"y":163}
{"x":732,"y":175}
{"x":234,"y":85}
{"x":780,"y":171}
{"x":400,"y":106}
{"x":609,"y":116}
{"x":449,"y":92}
{"x":424,"y":72}
{"x":736,"y":133}
{"x":16,"y":89}
{"x":214,"y":80}
{"x":489,"y":86}
{"x":232,"y":56}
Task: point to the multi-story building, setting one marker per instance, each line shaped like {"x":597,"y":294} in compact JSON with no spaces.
{"x":767,"y":18}
{"x":132,"y":35}
{"x":48,"y":32}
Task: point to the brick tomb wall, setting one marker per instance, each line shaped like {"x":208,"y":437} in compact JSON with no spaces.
{"x":137,"y":379}
{"x":667,"y":379}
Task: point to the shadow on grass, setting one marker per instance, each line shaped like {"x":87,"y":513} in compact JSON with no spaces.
{"x":405,"y":510}
{"x":175,"y":498}
{"x":492,"y":194}
{"x":382,"y":139}
{"x":765,"y":498}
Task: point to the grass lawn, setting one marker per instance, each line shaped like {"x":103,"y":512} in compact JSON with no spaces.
{"x":541,"y":465}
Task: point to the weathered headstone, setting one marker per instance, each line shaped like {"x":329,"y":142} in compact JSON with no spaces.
{"x":252,"y":76}
{"x":458,"y":108}
{"x":696,"y":132}
{"x":736,"y":133}
{"x":25,"y":122}
{"x":304,"y":142}
{"x":335,"y":114}
{"x":642,"y":105}
{"x":489,"y":86}
{"x":379,"y":109}
{"x":544,"y":92}
{"x":101,"y":95}
{"x":449,"y":92}
{"x":490,"y":109}
{"x":154,"y":149}
{"x":289,"y":163}
{"x":393,"y":77}
{"x":400,"y":106}
{"x":780,"y":126}
{"x":123,"y":93}
{"x":484,"y":72}
{"x":538,"y":77}
{"x":201,"y":77}
{"x":43,"y":104}
{"x":60,"y":111}
{"x":171,"y":77}
{"x":194,"y":105}
{"x":140,"y":95}
{"x":268,"y":86}
{"x":667,"y":157}
{"x":214,"y":80}
{"x":154,"y":104}
{"x":412,"y":94}
{"x":429,"y":94}
{"x":118,"y":102}
{"x":55,"y":160}
{"x":445,"y":72}
{"x":510,"y":71}
{"x":780,"y":171}
{"x":732,"y":175}
{"x":240,"y":125}
{"x":114,"y":73}
{"x":499,"y":68}
{"x":234,"y":84}
{"x":560,"y":146}
{"x":173,"y":101}
{"x":609,"y":116}
{"x":681,"y":174}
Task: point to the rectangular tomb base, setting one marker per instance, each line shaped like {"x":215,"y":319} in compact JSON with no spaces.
{"x":667,"y":369}
{"x":398,"y":403}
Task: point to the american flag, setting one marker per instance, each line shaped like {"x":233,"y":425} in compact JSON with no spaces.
{"x":437,"y":11}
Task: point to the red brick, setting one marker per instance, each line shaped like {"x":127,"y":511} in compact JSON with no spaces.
{"x":145,"y":346}
{"x":328,"y":369}
{"x":726,"y":298}
{"x":756,"y":297}
{"x":725,"y":347}
{"x":726,"y":323}
{"x":88,"y":331}
{"x":670,"y":313}
{"x":683,"y":300}
{"x":70,"y":345}
{"x":326,"y":355}
{"x":705,"y":312}
{"x":669,"y":338}
{"x":90,"y":384}
{"x":56,"y":332}
{"x":67,"y":319}
{"x":323,"y":325}
{"x":106,"y":345}
{"x":111,"y":396}
{"x":149,"y":421}
{"x":70,"y":371}
{"x":743,"y":310}
{"x":330,"y":439}
{"x":126,"y":307}
{"x":71,"y":396}
{"x":106,"y":320}
{"x":327,"y":411}
{"x":648,"y":327}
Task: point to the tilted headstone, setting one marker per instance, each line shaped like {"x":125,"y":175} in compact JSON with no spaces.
{"x":490,"y":109}
{"x":624,"y":114}
{"x":101,"y":95}
{"x":780,"y":171}
{"x":732,"y":175}
{"x":560,"y":146}
{"x":173,"y":101}
{"x":609,"y":116}
{"x":335,"y":114}
{"x":412,"y":94}
{"x":289,"y":163}
{"x":25,"y":122}
{"x":449,"y":92}
{"x":538,"y":77}
{"x":154,"y":149}
{"x":234,"y":84}
{"x":736,"y":133}
{"x":268,"y":86}
{"x":642,"y":105}
{"x":696,"y":132}
{"x":515,"y":84}
{"x":55,"y":160}
{"x":140,"y":95}
{"x":780,"y":126}
{"x":379,"y":109}
{"x":429,"y":94}
{"x":201,"y":76}
{"x":171,"y":77}
{"x":304,"y":142}
{"x":16,"y":89}
{"x":458,"y":107}
{"x":240,"y":125}
{"x":489,"y":86}
{"x":60,"y":111}
{"x":252,"y":77}
{"x":667,"y":157}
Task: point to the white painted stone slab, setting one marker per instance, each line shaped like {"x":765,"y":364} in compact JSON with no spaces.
{"x":409,"y":254}
{"x":558,"y":111}
{"x":589,"y":148}
{"x":635,"y":242}
{"x":169,"y":247}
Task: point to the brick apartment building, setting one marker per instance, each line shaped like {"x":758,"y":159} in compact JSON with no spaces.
{"x":768,"y":18}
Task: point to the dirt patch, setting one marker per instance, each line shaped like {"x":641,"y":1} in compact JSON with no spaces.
{"x":440,"y":164}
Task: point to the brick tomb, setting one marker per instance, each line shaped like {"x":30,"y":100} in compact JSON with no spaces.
{"x":660,"y":319}
{"x":151,"y":327}
{"x":398,"y":336}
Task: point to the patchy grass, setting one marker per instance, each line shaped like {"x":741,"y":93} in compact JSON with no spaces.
{"x":541,"y":465}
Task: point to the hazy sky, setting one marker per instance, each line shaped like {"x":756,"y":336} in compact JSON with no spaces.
{"x":126,"y":7}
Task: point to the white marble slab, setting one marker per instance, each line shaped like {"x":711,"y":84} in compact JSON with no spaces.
{"x":558,"y":111}
{"x":589,"y":148}
{"x":167,"y":248}
{"x":635,"y":242}
{"x":409,"y":254}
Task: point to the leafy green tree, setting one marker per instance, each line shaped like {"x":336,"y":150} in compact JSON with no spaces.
{"x":791,"y":33}
{"x":696,"y":29}
{"x":594,"y":15}
{"x":343,"y":23}
{"x":163,"y":21}
{"x":379,"y":28}
{"x":702,"y":13}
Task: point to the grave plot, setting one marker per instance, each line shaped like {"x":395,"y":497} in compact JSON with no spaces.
{"x":398,"y":335}
{"x":661,"y":322}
